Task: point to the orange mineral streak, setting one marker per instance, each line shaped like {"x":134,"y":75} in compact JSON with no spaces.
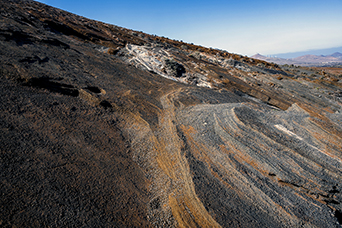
{"x":186,"y":207}
{"x":325,"y":124}
{"x":189,"y":211}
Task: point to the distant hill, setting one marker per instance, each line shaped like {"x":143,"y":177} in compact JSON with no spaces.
{"x":305,"y":60}
{"x":279,"y":61}
{"x":326,"y":51}
{"x":336,"y":55}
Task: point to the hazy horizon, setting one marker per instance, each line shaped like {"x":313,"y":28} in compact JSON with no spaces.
{"x":327,"y":51}
{"x":243,"y":27}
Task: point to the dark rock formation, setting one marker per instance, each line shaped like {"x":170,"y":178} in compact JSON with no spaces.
{"x":93,"y":133}
{"x":174,"y":69}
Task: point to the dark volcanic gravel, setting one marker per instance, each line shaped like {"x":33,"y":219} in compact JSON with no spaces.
{"x":91,"y":138}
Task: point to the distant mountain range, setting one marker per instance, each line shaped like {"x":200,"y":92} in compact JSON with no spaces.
{"x":305,"y":60}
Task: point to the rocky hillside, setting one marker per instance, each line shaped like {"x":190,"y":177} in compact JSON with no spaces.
{"x":102,"y":126}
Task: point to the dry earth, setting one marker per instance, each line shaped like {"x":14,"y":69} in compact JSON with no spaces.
{"x":101,"y":126}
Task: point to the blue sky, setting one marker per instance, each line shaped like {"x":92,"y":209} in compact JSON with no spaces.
{"x":245,"y":27}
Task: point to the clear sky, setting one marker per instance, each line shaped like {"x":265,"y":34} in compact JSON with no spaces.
{"x":242,"y":26}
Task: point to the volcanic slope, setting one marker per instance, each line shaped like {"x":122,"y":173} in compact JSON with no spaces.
{"x":103,"y":126}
